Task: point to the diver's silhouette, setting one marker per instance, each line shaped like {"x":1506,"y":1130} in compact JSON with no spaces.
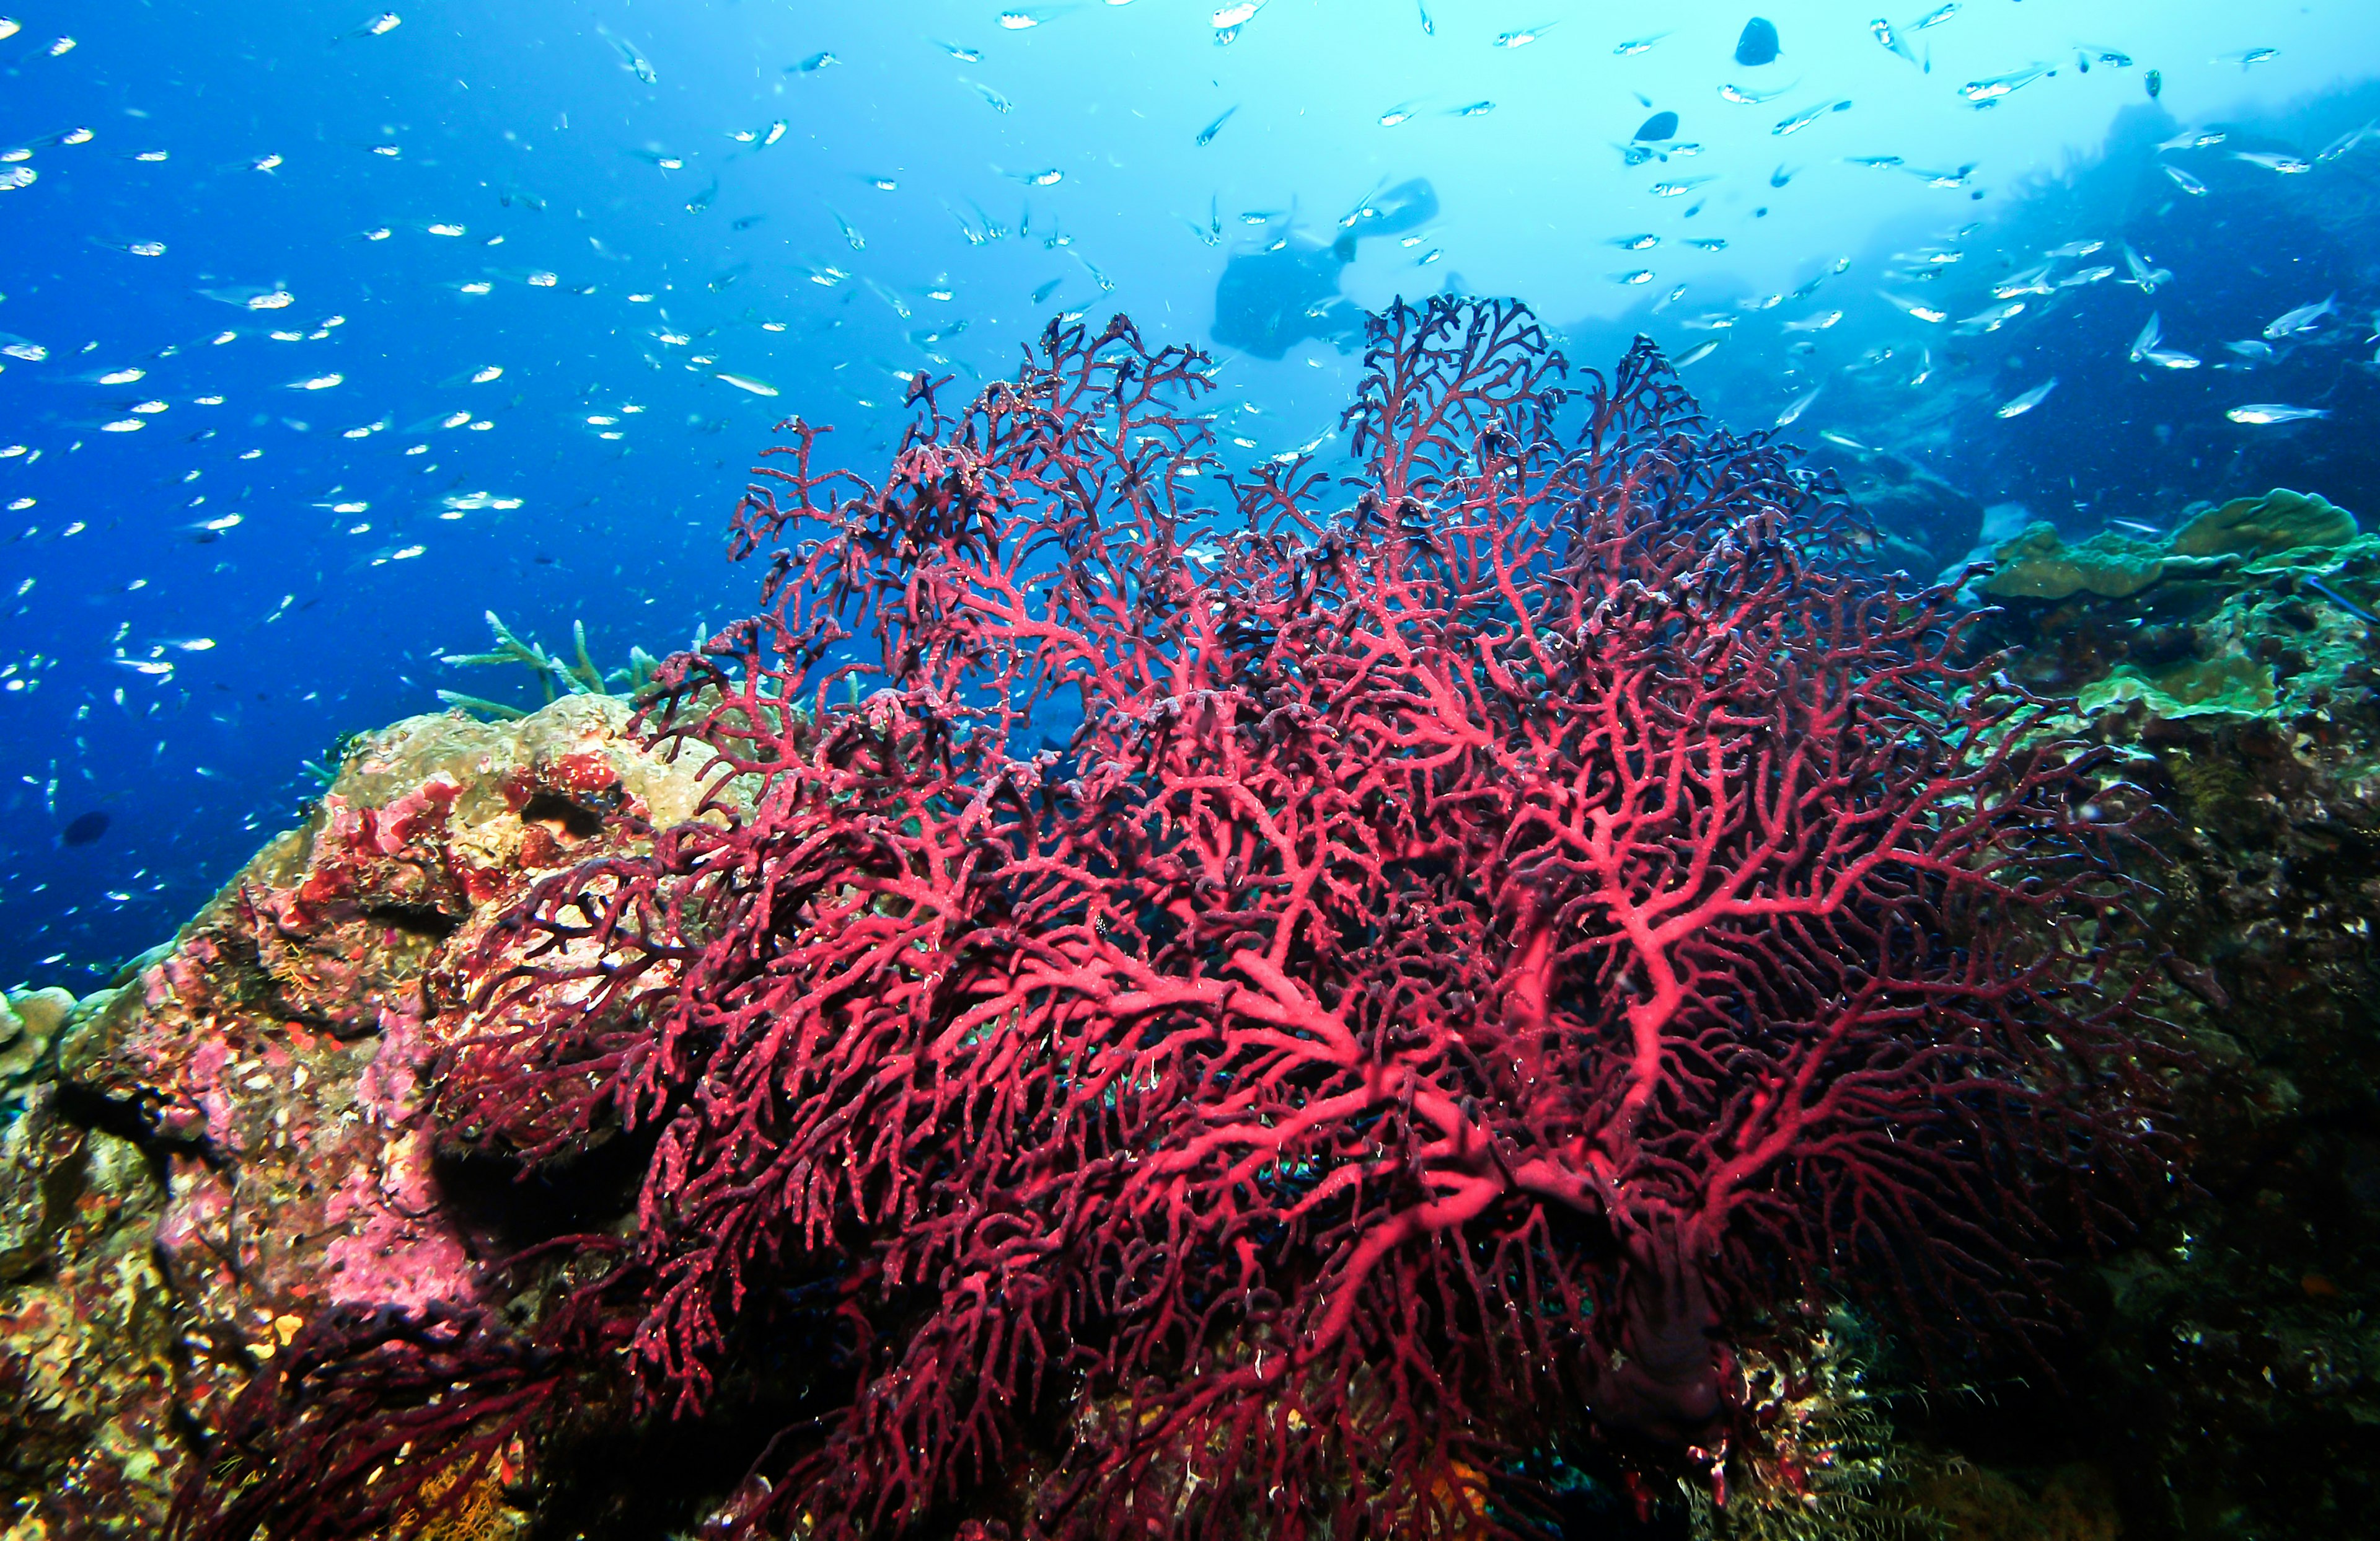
{"x":1267,"y":301}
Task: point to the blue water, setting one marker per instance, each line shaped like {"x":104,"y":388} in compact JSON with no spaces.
{"x":173,"y":669}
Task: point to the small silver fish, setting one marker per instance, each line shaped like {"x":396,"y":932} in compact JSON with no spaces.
{"x":1402,"y":112}
{"x":1636,"y":243}
{"x":2167,"y":358}
{"x":1635,"y":46}
{"x":2249,"y":59}
{"x":2262,"y":413}
{"x":999,"y":103}
{"x":2254,"y":350}
{"x":631,"y":59}
{"x":1993,"y":318}
{"x":2306,"y":318}
{"x":1743,"y":98}
{"x":2186,"y":182}
{"x":1679,"y":189}
{"x":1524,"y":36}
{"x":1800,"y":121}
{"x":2150,"y":335}
{"x":1882,"y":27}
{"x":379,"y":26}
{"x":1207,"y":134}
{"x":2143,"y":274}
{"x":1799,"y":405}
{"x":2345,"y":142}
{"x":2288,"y":165}
{"x":1920,"y":310}
{"x":1936,"y":17}
{"x":2018,"y":406}
{"x":1699,"y":352}
{"x":1993,"y":87}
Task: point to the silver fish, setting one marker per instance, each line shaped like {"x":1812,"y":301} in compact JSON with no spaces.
{"x":2143,"y":275}
{"x":2288,"y":165}
{"x":1800,"y":121}
{"x":2018,"y":406}
{"x":2186,"y":182}
{"x":1882,"y":27}
{"x":2306,"y":318}
{"x":2151,"y":335}
{"x":2262,"y":413}
{"x":1936,"y":17}
{"x":1914,"y":308}
{"x":2345,"y":142}
{"x":630,"y":59}
{"x":1799,"y":405}
{"x":1743,"y":98}
{"x":1698,"y":353}
{"x":1993,"y":87}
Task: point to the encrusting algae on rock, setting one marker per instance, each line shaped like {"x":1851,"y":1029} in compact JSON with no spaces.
{"x":197,"y":1161}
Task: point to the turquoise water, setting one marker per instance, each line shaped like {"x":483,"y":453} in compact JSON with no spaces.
{"x":330,"y":331}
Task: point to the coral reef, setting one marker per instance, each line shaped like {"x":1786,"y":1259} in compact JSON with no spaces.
{"x":2237,"y":1370}
{"x":819,"y":1108}
{"x":202,"y":1160}
{"x":1481,"y":949}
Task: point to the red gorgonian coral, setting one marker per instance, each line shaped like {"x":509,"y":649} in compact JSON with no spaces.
{"x":1464,"y":955}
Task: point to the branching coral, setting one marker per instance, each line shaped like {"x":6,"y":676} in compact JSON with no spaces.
{"x":1476,"y":946}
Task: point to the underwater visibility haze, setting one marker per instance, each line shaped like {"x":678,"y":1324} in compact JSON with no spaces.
{"x":1591,"y":771}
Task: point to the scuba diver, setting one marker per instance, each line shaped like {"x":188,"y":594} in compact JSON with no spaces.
{"x":1267,"y":301}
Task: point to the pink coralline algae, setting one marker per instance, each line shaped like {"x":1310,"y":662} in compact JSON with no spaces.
{"x":1280,"y":1008}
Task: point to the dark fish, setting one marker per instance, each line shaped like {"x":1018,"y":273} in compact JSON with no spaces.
{"x":1041,"y":296}
{"x":1778,"y":178}
{"x":2156,"y":83}
{"x":1758,"y":43}
{"x":85,"y":829}
{"x":1661,"y":126}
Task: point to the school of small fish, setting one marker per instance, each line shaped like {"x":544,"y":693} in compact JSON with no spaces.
{"x":279,"y":360}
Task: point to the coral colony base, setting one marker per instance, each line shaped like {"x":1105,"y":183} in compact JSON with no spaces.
{"x":1119,"y":1013}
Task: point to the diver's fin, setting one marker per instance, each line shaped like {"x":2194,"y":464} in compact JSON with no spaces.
{"x":1344,"y":248}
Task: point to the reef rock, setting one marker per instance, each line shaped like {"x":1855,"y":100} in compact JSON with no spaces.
{"x":195,"y":1160}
